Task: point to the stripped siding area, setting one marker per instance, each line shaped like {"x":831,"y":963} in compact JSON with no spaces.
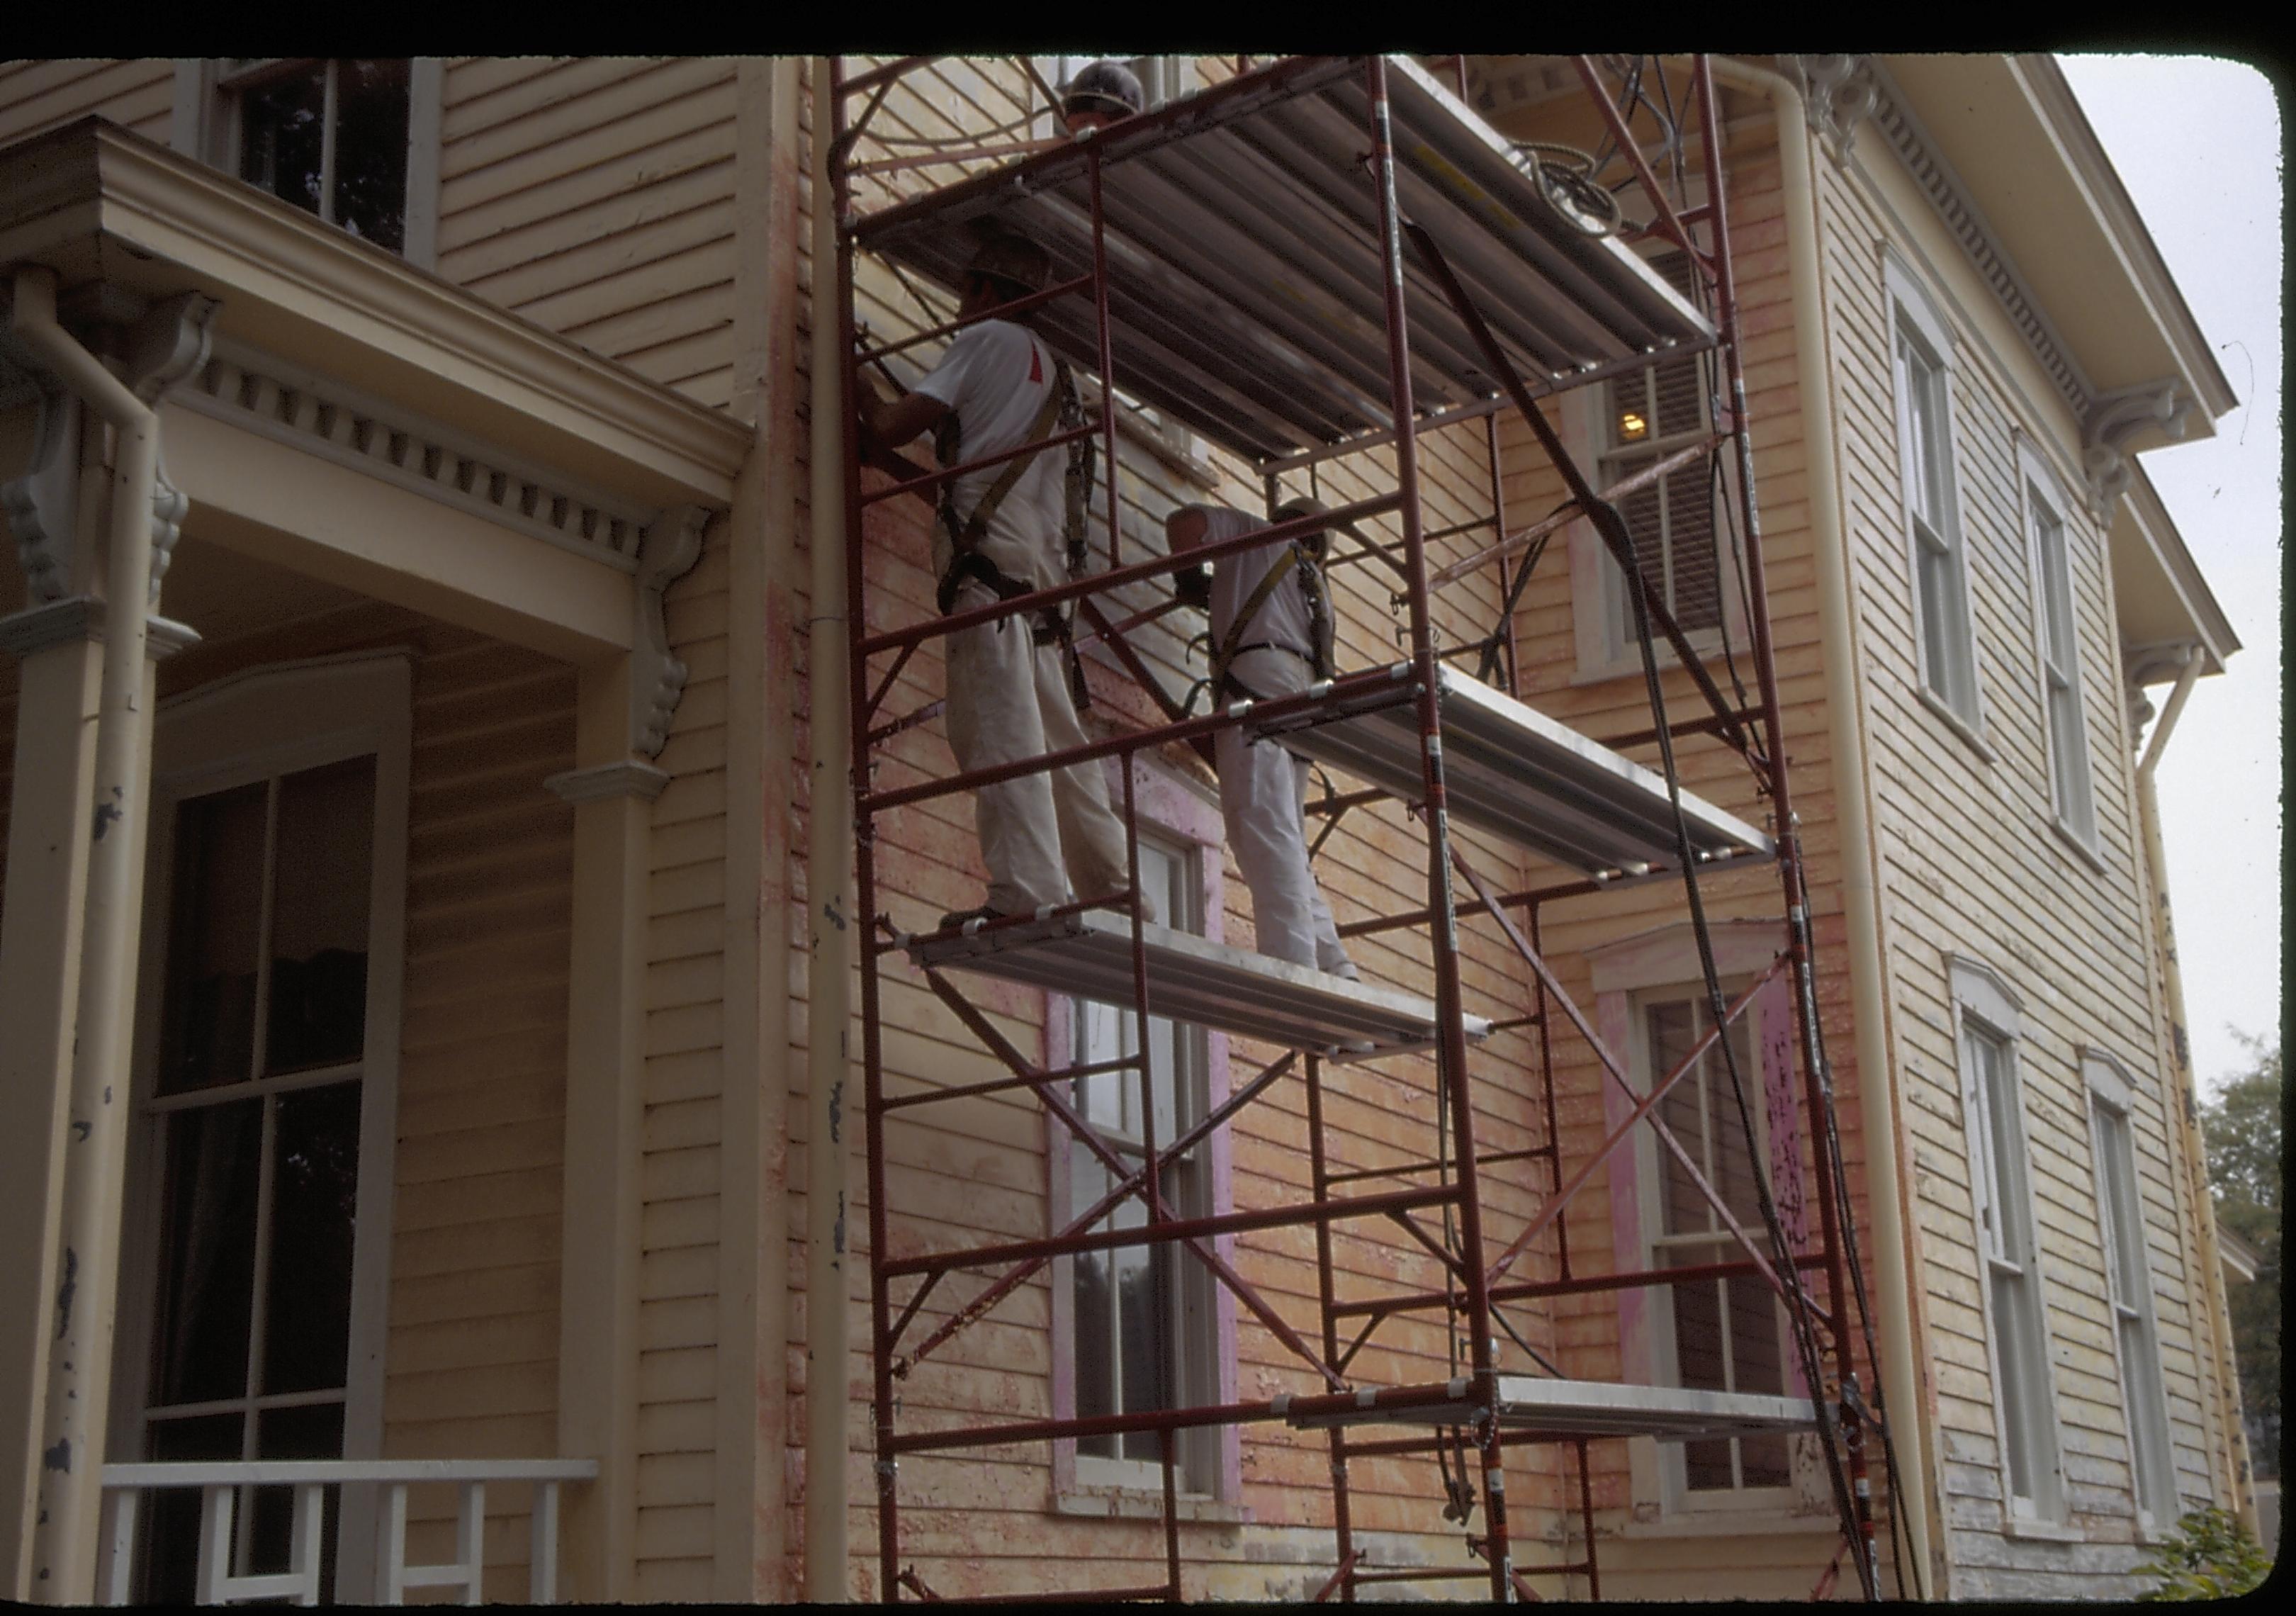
{"x":595,"y":196}
{"x":139,"y":92}
{"x":1779,"y":1553}
{"x":471,"y":1359}
{"x":1970,"y":865}
{"x":985,"y":1522}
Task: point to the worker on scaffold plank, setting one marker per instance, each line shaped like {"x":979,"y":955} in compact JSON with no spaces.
{"x":1101,"y":94}
{"x":1271,"y":636}
{"x":1007,"y":530}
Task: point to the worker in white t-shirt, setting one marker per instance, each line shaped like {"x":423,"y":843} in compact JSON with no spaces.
{"x":1271,"y":636}
{"x":1003,"y":532}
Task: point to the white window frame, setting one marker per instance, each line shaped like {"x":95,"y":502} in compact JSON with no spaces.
{"x":2126,"y":1259}
{"x":246,"y":728}
{"x":1606,"y":649}
{"x":205,"y":125}
{"x":1955,"y":691}
{"x":1626,"y":975}
{"x":2046,"y":516}
{"x":1176,"y":817}
{"x":2004,"y":1225}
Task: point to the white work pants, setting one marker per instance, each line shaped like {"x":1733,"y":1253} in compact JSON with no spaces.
{"x":1008,"y":701}
{"x":1262,"y":790}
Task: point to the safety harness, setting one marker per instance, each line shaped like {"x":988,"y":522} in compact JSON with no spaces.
{"x":1061,"y":409}
{"x":1319,"y":659}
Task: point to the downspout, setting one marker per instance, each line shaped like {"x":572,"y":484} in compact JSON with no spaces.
{"x":80,"y":1358}
{"x":828,"y":906}
{"x":2182,"y":1099}
{"x":1891,"y":1287}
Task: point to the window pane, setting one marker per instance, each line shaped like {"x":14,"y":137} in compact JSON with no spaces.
{"x":1682,"y":1208}
{"x":371,"y":112}
{"x":207,"y":1253}
{"x":1098,"y":1378}
{"x":282,"y":133}
{"x":314,"y":1432}
{"x":207,"y":1022}
{"x":319,"y":916}
{"x":1144,"y":1300}
{"x":2008,"y":1144}
{"x":171,"y":1530}
{"x":2011,"y":1308}
{"x":314,"y":1189}
{"x":1941,"y":602}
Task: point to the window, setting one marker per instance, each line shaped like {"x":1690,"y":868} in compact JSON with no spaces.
{"x":2057,"y":634}
{"x":1646,"y":416}
{"x":2009,"y":1252}
{"x":1920,"y":356}
{"x":352,"y":140}
{"x":1142,"y":1329}
{"x":255,"y":1247}
{"x":2121,"y":1218}
{"x":1727,"y":1335}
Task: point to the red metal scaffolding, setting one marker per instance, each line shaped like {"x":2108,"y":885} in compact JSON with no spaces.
{"x":1491,"y":1406}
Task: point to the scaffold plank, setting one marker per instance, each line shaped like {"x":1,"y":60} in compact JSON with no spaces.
{"x":1242,"y":302}
{"x":1191,"y":979}
{"x":1537,"y":1405}
{"x":1513,"y":771}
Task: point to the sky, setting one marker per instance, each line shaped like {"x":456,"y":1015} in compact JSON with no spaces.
{"x":2198,"y":142}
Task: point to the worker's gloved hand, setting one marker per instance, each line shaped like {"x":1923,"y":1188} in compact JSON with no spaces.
{"x":1193,"y":588}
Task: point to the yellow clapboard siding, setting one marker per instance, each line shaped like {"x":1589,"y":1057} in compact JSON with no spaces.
{"x":125,"y":91}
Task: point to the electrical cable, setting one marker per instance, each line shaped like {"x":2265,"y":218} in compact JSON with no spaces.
{"x":1797,"y":1302}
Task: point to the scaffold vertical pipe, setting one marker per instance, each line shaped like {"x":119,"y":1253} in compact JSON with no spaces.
{"x":1327,"y":1289}
{"x":1451,"y":1065}
{"x":1817,"y":1100}
{"x":1107,"y":366}
{"x":864,"y":861}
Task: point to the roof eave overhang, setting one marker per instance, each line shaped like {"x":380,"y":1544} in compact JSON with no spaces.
{"x":2023,"y":152}
{"x":99,"y":205}
{"x":2161,"y":598}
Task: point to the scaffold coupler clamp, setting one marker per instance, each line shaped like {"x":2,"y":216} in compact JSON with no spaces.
{"x":1853,"y":1404}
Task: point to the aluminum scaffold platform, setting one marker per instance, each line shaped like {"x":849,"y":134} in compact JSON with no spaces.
{"x":1320,"y":258}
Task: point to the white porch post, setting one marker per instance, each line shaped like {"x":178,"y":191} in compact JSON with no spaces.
{"x":40,"y":930}
{"x":84,"y":1000}
{"x":612,"y":794}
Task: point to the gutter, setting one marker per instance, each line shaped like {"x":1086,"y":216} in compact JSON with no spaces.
{"x":2180,"y":1104}
{"x":1891,"y":1289}
{"x":828,"y":909}
{"x":79,"y":1393}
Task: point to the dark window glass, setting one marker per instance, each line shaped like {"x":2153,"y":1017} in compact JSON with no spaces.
{"x":283,"y":139}
{"x":371,"y":121}
{"x":319,"y":916}
{"x":268,"y":1527}
{"x":208,"y":1024}
{"x":283,"y":135}
{"x":315,"y":1192}
{"x":207,"y":1253}
{"x":170,"y":1533}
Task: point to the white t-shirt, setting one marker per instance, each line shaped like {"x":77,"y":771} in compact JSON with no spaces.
{"x":995,"y":376}
{"x":1283,"y":618}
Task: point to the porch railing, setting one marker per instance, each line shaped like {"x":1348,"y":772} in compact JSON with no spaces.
{"x":125,"y":1485}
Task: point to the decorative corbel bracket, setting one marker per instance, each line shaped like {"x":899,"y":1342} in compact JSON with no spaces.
{"x":671,"y":546}
{"x":2113,"y":419}
{"x":42,"y":507}
{"x":1838,"y":92}
{"x":153,"y":350}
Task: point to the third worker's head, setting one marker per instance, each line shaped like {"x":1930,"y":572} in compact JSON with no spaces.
{"x":1101,"y":94}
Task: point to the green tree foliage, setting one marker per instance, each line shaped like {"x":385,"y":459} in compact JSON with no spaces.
{"x":2209,"y":1556}
{"x":2243,"y":1127}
